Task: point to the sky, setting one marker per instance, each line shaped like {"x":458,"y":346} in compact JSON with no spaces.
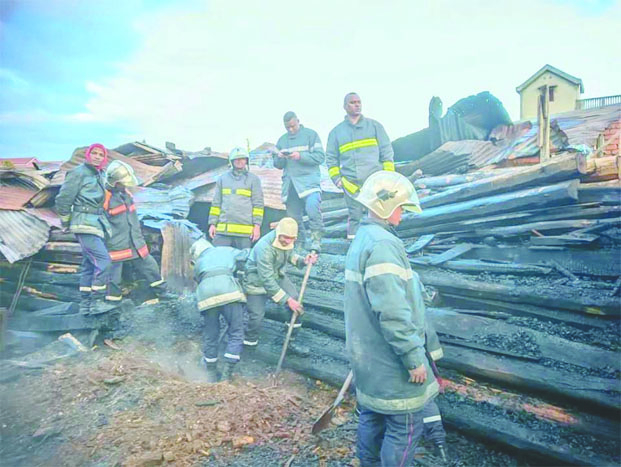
{"x":222,"y":73}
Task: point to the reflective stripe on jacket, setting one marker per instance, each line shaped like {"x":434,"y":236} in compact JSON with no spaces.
{"x":356,"y":151}
{"x":237,"y":204}
{"x":266,"y":265}
{"x":385,"y":322}
{"x":214,"y":272}
{"x":303,"y":173}
{"x":126,"y":240}
{"x":80,"y":201}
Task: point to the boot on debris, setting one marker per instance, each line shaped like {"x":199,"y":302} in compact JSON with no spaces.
{"x":86,"y":299}
{"x":227,"y":371}
{"x":315,"y":241}
{"x":163,"y":293}
{"x":211,"y":371}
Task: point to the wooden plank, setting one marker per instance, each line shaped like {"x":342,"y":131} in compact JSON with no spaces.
{"x":546,"y":196}
{"x":558,"y":169}
{"x":478,"y":266}
{"x":419,"y":244}
{"x":560,"y":296}
{"x":453,"y":253}
{"x":564,"y":240}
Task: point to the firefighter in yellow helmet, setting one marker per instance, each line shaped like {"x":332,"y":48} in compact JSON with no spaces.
{"x":126,"y":242}
{"x":266,"y":277}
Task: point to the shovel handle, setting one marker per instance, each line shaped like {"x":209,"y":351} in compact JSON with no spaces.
{"x":344,"y":389}
{"x":294,"y":315}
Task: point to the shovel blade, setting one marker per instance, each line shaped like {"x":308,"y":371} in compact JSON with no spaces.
{"x":324,"y":421}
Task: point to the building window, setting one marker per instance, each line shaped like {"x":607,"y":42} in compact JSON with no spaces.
{"x":551,"y":91}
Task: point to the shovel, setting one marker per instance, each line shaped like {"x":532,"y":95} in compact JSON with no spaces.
{"x":325,"y":419}
{"x":294,"y":315}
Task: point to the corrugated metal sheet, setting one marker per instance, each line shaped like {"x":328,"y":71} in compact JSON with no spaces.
{"x":147,"y":174}
{"x":158,"y":204}
{"x":14,"y":197}
{"x":584,"y":126}
{"x":19,"y":162}
{"x":21,"y":234}
{"x":457,"y":157}
{"x":27,"y":178}
{"x":46,"y":215}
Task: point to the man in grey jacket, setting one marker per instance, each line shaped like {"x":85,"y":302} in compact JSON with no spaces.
{"x":299,"y":155}
{"x":385,"y":328}
{"x":357,"y":147}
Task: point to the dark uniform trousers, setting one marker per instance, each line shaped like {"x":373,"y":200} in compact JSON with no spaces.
{"x":147,"y":267}
{"x":256,"y":312}
{"x":240,"y":243}
{"x":233,"y":314}
{"x":355,"y":213}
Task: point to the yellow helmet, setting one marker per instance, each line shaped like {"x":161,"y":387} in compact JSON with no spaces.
{"x":384,"y":191}
{"x":118,"y":171}
{"x":198,"y":247}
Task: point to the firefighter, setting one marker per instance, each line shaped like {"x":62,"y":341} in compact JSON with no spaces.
{"x":357,"y":147}
{"x":266,"y":278}
{"x":236,"y":211}
{"x":126,"y":242}
{"x":299,"y":155}
{"x":219,"y":294}
{"x":385,"y":327}
{"x":80,"y":207}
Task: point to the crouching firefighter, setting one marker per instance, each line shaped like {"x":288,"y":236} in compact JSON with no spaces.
{"x":219,"y":294}
{"x":126,"y":242}
{"x":385,"y":328}
{"x":266,"y":278}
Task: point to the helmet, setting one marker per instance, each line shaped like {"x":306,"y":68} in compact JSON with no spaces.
{"x":198,"y":247}
{"x":287,"y":226}
{"x":238,"y":153}
{"x":118,"y":171}
{"x":384,"y":191}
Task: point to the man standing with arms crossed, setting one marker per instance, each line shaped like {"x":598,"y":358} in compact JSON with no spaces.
{"x":357,"y":147}
{"x":385,"y":328}
{"x":300,"y":154}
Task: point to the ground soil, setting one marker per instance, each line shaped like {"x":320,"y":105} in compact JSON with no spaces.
{"x":146,"y":403}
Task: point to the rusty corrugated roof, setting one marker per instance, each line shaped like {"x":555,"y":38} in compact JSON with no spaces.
{"x":147,"y":174}
{"x":14,"y":197}
{"x":19,"y":162}
{"x":21,"y":234}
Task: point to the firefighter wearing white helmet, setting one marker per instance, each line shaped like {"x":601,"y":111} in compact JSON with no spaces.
{"x":385,"y":327}
{"x":219,"y":294}
{"x":125,"y":242}
{"x":266,"y":277}
{"x":237,"y":209}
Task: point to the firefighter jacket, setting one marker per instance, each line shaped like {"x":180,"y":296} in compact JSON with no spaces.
{"x":79,"y":202}
{"x":237,"y":204}
{"x":303,"y":173}
{"x":385,"y":322}
{"x":356,"y":151}
{"x":266,"y":267}
{"x":126,"y":240}
{"x":214,"y":272}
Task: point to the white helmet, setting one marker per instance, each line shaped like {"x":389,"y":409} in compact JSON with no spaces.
{"x":238,"y":153}
{"x":198,"y":247}
{"x":384,"y":191}
{"x":118,"y":171}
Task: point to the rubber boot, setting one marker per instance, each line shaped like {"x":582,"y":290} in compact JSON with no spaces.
{"x":163,"y":293}
{"x":227,"y":372}
{"x":211,"y":371}
{"x":86,"y":299}
{"x":315,"y":241}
